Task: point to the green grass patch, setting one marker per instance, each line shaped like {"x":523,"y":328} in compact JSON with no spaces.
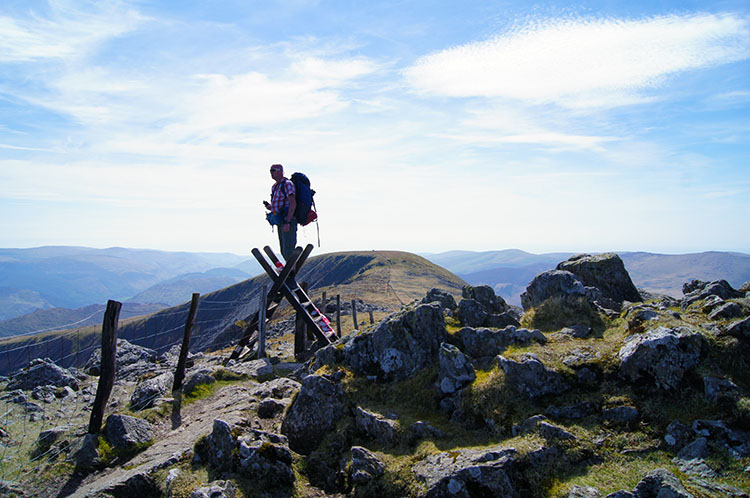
{"x":559,"y":312}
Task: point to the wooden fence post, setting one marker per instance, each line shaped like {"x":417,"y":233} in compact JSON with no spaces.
{"x":107,"y":371}
{"x":262,"y":323}
{"x":338,"y":314}
{"x":179,"y":375}
{"x":372,"y":319}
{"x":323,"y":303}
{"x":300,"y":331}
{"x":354,"y":314}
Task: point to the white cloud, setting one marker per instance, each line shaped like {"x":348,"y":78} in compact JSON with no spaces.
{"x":67,"y":32}
{"x":583,"y":62}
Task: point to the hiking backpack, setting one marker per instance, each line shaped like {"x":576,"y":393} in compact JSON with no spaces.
{"x":304,"y":212}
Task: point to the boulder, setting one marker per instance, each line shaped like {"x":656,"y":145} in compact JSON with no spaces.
{"x":553,"y":433}
{"x":220,"y":445}
{"x":720,"y":390}
{"x":678,"y":434}
{"x":530,"y":377}
{"x":621,"y":415}
{"x":84,"y":453}
{"x":446,"y":301}
{"x":471,"y":313}
{"x":147,"y":392}
{"x":695,"y":290}
{"x":131,"y":361}
{"x":661,"y":483}
{"x":454,"y":370}
{"x":484,"y":342}
{"x":49,"y":438}
{"x":605,"y":272}
{"x":269,"y":408}
{"x":313,"y":413}
{"x":740,"y":329}
{"x":399,"y":346}
{"x":42,"y":372}
{"x":661,"y":356}
{"x":278,"y":388}
{"x":577,"y":331}
{"x":123,"y":431}
{"x":692,"y":459}
{"x":195,"y":379}
{"x":365,"y":466}
{"x":465,"y":473}
{"x":551,"y":283}
{"x":726,"y":311}
{"x":485,"y":295}
{"x":375,"y":426}
{"x":216,"y":489}
{"x":265,"y":459}
{"x":422,"y":430}
{"x":577,"y":491}
{"x":260,"y":368}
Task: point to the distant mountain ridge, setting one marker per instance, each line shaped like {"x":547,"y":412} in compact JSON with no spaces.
{"x":72,"y":277}
{"x":510,"y":271}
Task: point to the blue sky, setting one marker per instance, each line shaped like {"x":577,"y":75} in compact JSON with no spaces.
{"x":424,"y":126}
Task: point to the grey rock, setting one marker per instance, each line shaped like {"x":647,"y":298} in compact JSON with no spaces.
{"x":621,"y":494}
{"x":586,"y":376}
{"x":42,"y":372}
{"x":365,"y":466}
{"x":529,"y":425}
{"x":265,"y":459}
{"x":577,"y":491}
{"x":719,"y":390}
{"x":740,"y":329}
{"x":123,"y":431}
{"x":500,"y":320}
{"x":131,"y":361}
{"x":691,"y":459}
{"x":711,"y":303}
{"x":278,"y":388}
{"x":313,"y":413}
{"x":220,"y":445}
{"x":269,"y":408}
{"x":725,"y":311}
{"x":147,"y":392}
{"x":48,"y":438}
{"x":552,"y":432}
{"x":621,"y":415}
{"x":84,"y":453}
{"x":678,"y":434}
{"x":577,"y":331}
{"x":216,"y":489}
{"x":605,"y":272}
{"x":715,"y":429}
{"x":195,"y":379}
{"x":465,"y":473}
{"x":399,"y":346}
{"x":454,"y":370}
{"x":551,"y":283}
{"x":422,"y":430}
{"x":44,"y":393}
{"x":530,"y":377}
{"x":261,"y":368}
{"x":662,"y":355}
{"x":447,"y":301}
{"x":577,"y":411}
{"x":375,"y":426}
{"x":471,"y":313}
{"x":485,"y":295}
{"x":485,"y":342}
{"x":661,"y":483}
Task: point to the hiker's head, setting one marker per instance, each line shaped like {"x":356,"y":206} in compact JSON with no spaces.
{"x":277,"y":172}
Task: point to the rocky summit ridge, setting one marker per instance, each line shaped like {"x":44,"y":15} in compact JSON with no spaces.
{"x":592,"y":389}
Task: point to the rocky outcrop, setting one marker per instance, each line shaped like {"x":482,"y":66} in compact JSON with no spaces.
{"x":454,"y":370}
{"x":446,"y":301}
{"x":551,"y":283}
{"x":147,"y":392}
{"x":315,"y":411}
{"x":399,"y":346}
{"x":466,"y":473}
{"x":484,"y":342}
{"x":605,"y":272}
{"x":376,"y":427}
{"x":481,"y":307}
{"x":123,"y":431}
{"x":530,"y":377}
{"x":661,"y":356}
{"x":365,"y":466}
{"x":131,"y":361}
{"x":42,"y":372}
{"x":695,"y":290}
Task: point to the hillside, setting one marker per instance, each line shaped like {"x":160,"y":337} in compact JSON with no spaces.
{"x":72,"y":277}
{"x":386,"y":279}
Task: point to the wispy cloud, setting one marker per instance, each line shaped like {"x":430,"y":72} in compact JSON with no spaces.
{"x":583,"y":62}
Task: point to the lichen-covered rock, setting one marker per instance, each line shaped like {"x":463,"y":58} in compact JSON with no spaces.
{"x":485,"y":295}
{"x":131,"y":360}
{"x":471,"y":313}
{"x":447,"y":301}
{"x":577,"y":491}
{"x":454,"y":369}
{"x":399,"y":346}
{"x":197,"y":378}
{"x":42,"y":372}
{"x":375,"y":426}
{"x":740,"y":329}
{"x":661,"y":355}
{"x":365,"y":466}
{"x":84,"y":453}
{"x":530,"y":377}
{"x":661,"y":483}
{"x":726,"y":311}
{"x":484,"y":342}
{"x":123,"y":431}
{"x":313,"y":413}
{"x":552,"y":432}
{"x":147,"y":392}
{"x":695,"y":290}
{"x":551,"y":283}
{"x":605,"y":272}
{"x":678,"y":434}
{"x":265,"y":459}
{"x":720,"y":390}
{"x":466,"y":473}
{"x":216,"y":489}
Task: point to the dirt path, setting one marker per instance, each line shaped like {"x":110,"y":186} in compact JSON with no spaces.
{"x":174,"y":438}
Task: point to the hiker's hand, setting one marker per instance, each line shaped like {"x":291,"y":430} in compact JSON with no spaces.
{"x":286,"y":226}
{"x":267,"y":205}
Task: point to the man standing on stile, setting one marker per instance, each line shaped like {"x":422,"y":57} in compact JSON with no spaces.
{"x":282,"y":206}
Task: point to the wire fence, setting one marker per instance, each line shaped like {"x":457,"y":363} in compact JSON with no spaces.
{"x":31,"y":420}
